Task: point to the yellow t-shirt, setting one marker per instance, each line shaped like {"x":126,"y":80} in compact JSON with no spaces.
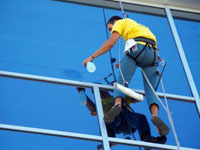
{"x":129,"y":29}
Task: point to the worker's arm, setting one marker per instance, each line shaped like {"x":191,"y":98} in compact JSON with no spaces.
{"x":104,"y":48}
{"x":90,"y":105}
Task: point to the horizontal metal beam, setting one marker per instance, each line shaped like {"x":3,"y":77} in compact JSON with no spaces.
{"x":115,"y":5}
{"x":170,"y":96}
{"x":84,"y":84}
{"x":141,"y":7}
{"x":176,"y":5}
{"x":146,"y":144}
{"x":87,"y":137}
{"x":51,"y":132}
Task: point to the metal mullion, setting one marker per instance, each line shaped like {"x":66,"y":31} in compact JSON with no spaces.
{"x":183,"y":58}
{"x":100,"y":118}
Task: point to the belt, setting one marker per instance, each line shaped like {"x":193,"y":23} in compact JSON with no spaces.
{"x":146,"y":40}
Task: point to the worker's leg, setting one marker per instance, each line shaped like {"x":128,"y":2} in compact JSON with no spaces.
{"x":147,"y":61}
{"x":152,"y":100}
{"x":128,"y":67}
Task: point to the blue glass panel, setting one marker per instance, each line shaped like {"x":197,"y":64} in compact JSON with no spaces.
{"x":51,"y":38}
{"x":174,"y":79}
{"x":44,"y":105}
{"x":186,"y":121}
{"x":14,"y":141}
{"x":189,"y":33}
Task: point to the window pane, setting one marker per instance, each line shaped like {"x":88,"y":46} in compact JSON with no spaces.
{"x":51,"y":38}
{"x":44,"y":105}
{"x":40,"y":41}
{"x":186,"y":121}
{"x":190,"y":31}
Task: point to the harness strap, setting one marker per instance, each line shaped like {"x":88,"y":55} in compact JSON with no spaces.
{"x":154,"y":58}
{"x":135,"y":58}
{"x":141,"y":51}
{"x":147,"y":41}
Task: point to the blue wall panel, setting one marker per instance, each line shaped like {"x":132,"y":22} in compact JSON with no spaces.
{"x":52,"y":39}
{"x":44,"y":105}
{"x":189,"y":33}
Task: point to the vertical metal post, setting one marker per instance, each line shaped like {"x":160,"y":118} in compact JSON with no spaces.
{"x":183,"y":58}
{"x":100,"y":117}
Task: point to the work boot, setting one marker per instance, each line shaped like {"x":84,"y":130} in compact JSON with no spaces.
{"x":161,"y":126}
{"x":113,"y":113}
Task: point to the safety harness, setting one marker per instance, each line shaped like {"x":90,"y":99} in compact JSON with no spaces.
{"x":149,"y":43}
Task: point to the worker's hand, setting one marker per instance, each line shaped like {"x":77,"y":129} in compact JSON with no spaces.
{"x":117,"y":65}
{"x":93,"y":113}
{"x":87,"y":60}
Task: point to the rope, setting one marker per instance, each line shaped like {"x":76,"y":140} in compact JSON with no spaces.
{"x":169,"y":116}
{"x":110,"y":53}
{"x":125,"y":82}
{"x":166,"y":108}
{"x":122,"y":10}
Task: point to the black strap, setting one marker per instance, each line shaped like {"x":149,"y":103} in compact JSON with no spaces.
{"x":146,"y":40}
{"x":135,"y":58}
{"x":154,"y":58}
{"x":141,"y":51}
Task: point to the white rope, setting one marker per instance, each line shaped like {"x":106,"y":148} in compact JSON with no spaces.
{"x":122,"y":9}
{"x":169,"y":116}
{"x":165,"y":107}
{"x":125,"y":82}
{"x":153,"y":89}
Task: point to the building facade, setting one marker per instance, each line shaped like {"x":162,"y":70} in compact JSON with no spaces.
{"x":43,"y":44}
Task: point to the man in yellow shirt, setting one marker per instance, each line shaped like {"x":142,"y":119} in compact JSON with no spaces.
{"x":144,"y":54}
